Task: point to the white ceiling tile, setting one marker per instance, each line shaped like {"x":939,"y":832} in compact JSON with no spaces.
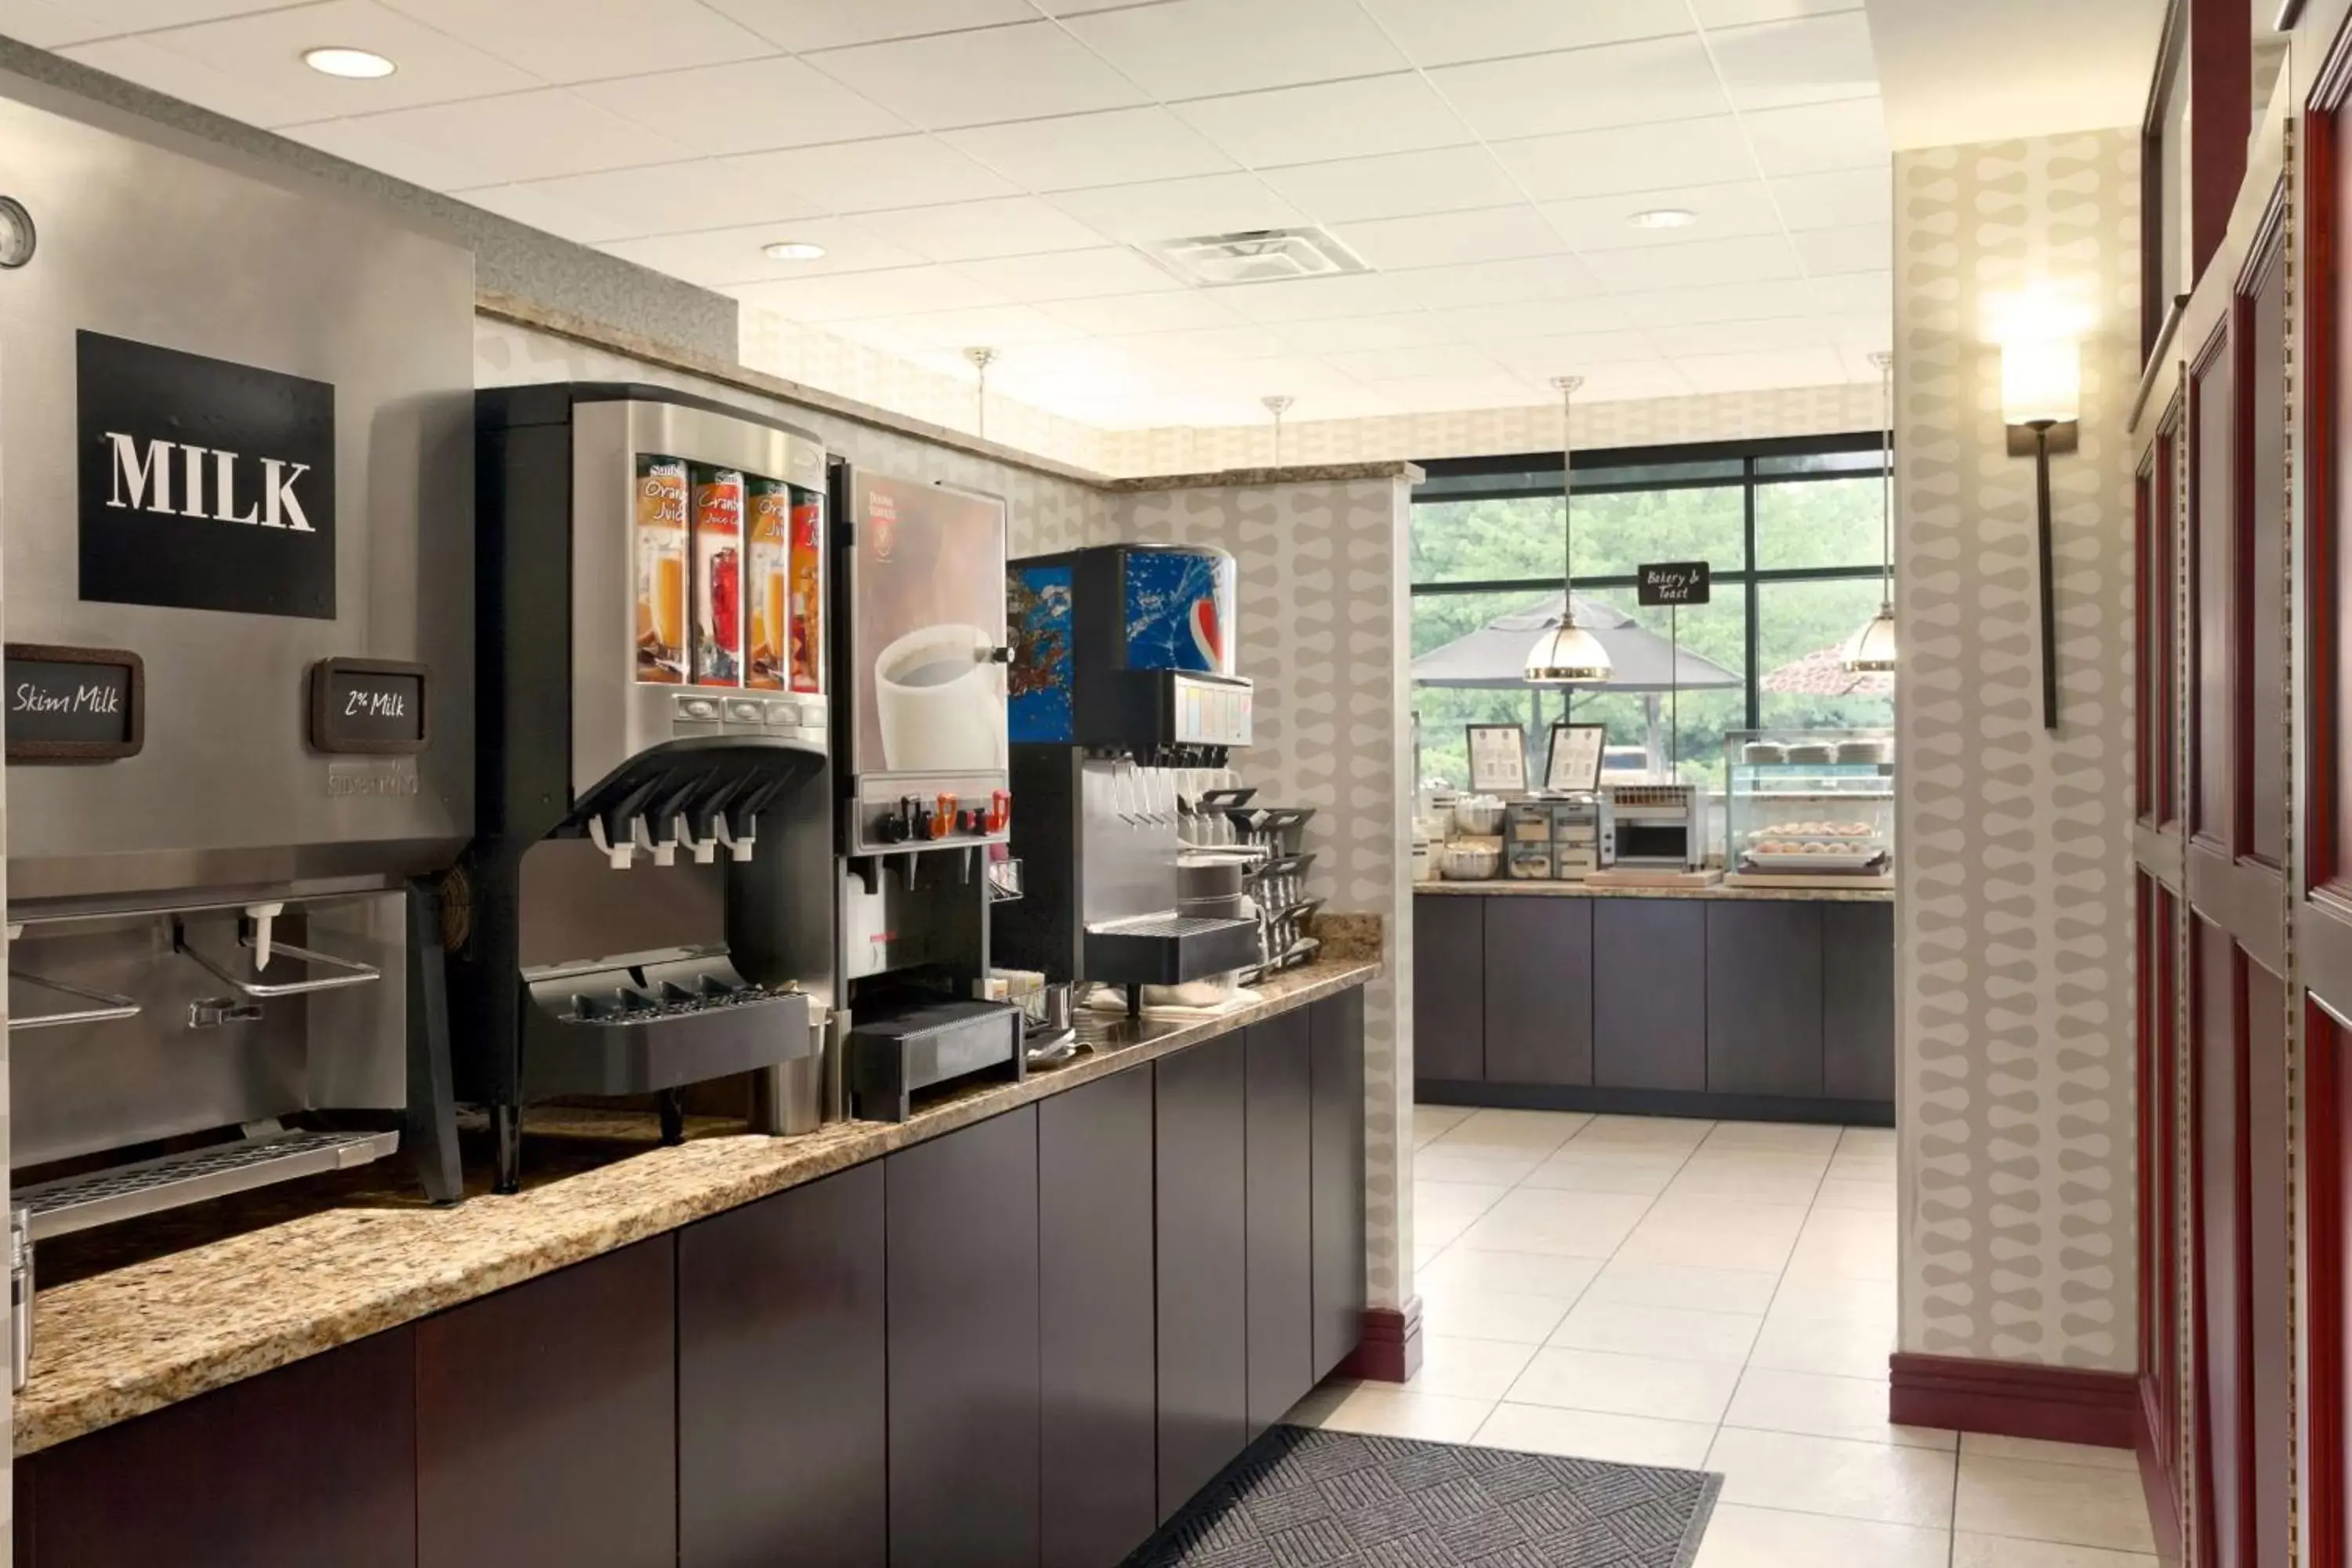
{"x":1716,"y":302}
{"x":1072,"y":275}
{"x":748,"y":106}
{"x":1199,"y":345}
{"x":1859,"y":248}
{"x":1736,"y":13}
{"x":874,"y":176}
{"x":580,"y":40}
{"x":1299,"y":376}
{"x":626,"y":203}
{"x":1819,"y":137}
{"x":46,"y":24}
{"x":1858,"y":365}
{"x":1755,"y":258}
{"x":1193,"y":48}
{"x":265,"y":51}
{"x":854,"y":296}
{"x":1724,"y":212}
{"x":1517,"y":321}
{"x":1626,"y":383}
{"x":1583,"y":89}
{"x":1405,"y":330}
{"x":1768,"y":335}
{"x":1855,"y":294}
{"x":1402,"y":184}
{"x":1020,"y":72}
{"x":527,"y":136}
{"x":193,"y":81}
{"x":1318,"y":298}
{"x":1835,"y":200}
{"x":1498,"y":282}
{"x":1119,"y":146}
{"x":370,"y":144}
{"x":1170,"y":311}
{"x":717,"y":257}
{"x":1545,"y":357}
{"x":801,"y":25}
{"x":1445,"y":32}
{"x":970,"y":231}
{"x":1634,"y":158}
{"x":1776,"y":64}
{"x":1490,"y":233}
{"x":1762,"y":372}
{"x":981,"y":326}
{"x":1180,"y":209}
{"x":1367,"y":116}
{"x":1861,"y":334}
{"x":1436,"y":394}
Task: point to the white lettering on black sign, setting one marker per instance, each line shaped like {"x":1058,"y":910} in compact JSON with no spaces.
{"x":72,"y":704}
{"x":368,"y":706}
{"x":1672,"y":583}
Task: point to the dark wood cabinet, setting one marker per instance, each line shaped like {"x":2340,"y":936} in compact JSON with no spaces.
{"x":1764,"y":997}
{"x":1449,"y":955}
{"x":312,"y":1463}
{"x":1336,"y":1026}
{"x":546,"y":1420}
{"x":782,"y":1380}
{"x":1539,"y":990}
{"x":1280,"y":1171}
{"x":1101,"y":1419}
{"x":1203,"y":1251}
{"x":1858,"y":1001}
{"x":962,"y":1231}
{"x":1649,"y":994}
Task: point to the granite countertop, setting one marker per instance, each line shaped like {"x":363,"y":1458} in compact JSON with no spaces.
{"x":150,"y":1313}
{"x":1538,"y":888}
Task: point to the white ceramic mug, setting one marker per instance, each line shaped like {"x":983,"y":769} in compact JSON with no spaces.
{"x":940,"y":699}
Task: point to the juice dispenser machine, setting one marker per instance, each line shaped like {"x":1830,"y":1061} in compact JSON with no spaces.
{"x":647,"y":901}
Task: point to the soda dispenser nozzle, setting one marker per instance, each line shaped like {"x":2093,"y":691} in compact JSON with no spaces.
{"x":619,"y":854}
{"x":705,"y":850}
{"x":738,"y":844}
{"x":261,"y":915}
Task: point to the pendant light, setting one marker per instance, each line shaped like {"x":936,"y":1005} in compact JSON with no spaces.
{"x":1567,"y":655}
{"x":1872,"y":649}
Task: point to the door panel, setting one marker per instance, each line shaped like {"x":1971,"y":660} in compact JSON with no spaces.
{"x":2211,"y":492}
{"x":2225,"y":1478}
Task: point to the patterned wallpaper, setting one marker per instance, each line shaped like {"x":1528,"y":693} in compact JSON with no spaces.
{"x":1322,"y":629}
{"x":2014,"y":906}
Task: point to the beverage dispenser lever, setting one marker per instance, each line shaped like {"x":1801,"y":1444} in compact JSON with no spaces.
{"x":261,"y":915}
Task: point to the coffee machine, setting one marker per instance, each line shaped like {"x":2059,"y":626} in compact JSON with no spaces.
{"x":239,"y":542}
{"x":1122,"y":675}
{"x":923,"y":803}
{"x":645,"y":907}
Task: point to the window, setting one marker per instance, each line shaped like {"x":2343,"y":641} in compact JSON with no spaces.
{"x":1793,"y":531}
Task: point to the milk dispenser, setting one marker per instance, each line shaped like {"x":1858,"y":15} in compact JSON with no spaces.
{"x":647,"y":903}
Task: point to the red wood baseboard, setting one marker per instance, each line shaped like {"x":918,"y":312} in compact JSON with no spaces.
{"x":2155,"y":1481}
{"x":1390,"y":1348}
{"x":2014,"y":1399}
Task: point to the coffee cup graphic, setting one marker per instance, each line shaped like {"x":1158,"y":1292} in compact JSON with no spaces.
{"x":940,"y":696}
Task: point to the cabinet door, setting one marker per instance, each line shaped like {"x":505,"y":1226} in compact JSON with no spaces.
{"x":1449,"y":1005}
{"x":1649,"y":994}
{"x":780,"y":1381}
{"x":965,"y":1380}
{"x":313,"y":1463}
{"x":1204,"y":1319}
{"x":1101,"y":1394}
{"x":1764,"y":998}
{"x":1280,"y":1171}
{"x":1337,"y":1027}
{"x":1858,"y":1001}
{"x":546,"y":1419}
{"x":1538,"y":985}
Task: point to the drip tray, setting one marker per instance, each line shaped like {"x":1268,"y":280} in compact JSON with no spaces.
{"x":151,"y":1186}
{"x":1169,"y":950}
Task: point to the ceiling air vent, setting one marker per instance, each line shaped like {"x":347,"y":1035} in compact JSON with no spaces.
{"x":1260,"y":256}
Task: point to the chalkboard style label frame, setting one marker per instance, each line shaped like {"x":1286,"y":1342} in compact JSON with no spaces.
{"x":332,"y":733}
{"x":25,"y":749}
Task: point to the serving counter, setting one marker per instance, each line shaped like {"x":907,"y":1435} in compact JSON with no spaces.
{"x":1764,"y":1003}
{"x":690,"y":1354}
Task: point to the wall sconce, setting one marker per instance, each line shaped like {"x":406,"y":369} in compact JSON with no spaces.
{"x":2041,"y":402}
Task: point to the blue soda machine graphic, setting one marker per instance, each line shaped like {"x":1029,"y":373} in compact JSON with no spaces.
{"x":1098,"y":633}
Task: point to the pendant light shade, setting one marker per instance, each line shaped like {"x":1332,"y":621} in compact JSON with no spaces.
{"x":1567,"y":655}
{"x":1871,"y":650}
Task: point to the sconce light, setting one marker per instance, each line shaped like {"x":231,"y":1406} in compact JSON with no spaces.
{"x":2041,"y":402}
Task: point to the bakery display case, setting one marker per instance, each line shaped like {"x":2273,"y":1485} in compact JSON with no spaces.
{"x":1809,"y":807}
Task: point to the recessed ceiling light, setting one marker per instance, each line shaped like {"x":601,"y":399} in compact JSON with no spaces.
{"x":1664,"y":217}
{"x":793,"y":250}
{"x":360,"y":65}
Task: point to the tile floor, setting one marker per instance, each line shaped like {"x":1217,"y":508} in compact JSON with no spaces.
{"x":1716,"y":1295}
